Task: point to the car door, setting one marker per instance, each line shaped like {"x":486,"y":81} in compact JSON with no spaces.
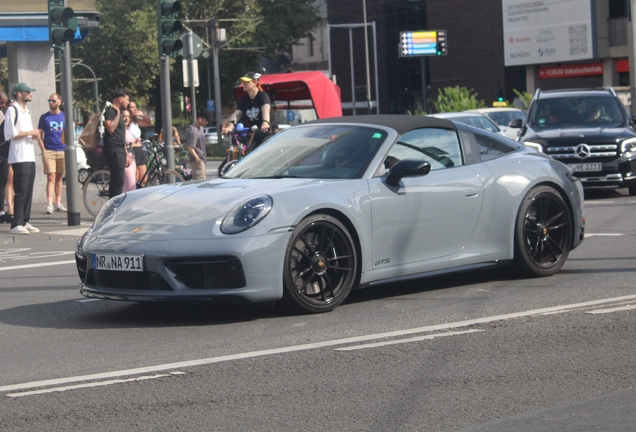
{"x":425,"y":217}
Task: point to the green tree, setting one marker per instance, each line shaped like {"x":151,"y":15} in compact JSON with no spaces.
{"x":524,"y":97}
{"x":453,"y":99}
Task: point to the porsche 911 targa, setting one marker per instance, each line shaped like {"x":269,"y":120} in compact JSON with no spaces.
{"x":335,"y":205}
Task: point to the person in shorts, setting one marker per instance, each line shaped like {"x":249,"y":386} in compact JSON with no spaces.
{"x":51,"y":126}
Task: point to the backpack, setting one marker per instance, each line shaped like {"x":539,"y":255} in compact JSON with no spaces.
{"x":4,"y":144}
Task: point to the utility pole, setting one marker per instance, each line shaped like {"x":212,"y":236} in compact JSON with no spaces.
{"x":218,"y":111}
{"x":193,"y":90}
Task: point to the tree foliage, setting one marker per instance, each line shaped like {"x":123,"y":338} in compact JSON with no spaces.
{"x":123,"y":52}
{"x":524,"y":97}
{"x":453,"y":99}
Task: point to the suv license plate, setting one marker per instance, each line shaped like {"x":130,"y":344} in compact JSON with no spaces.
{"x":118,"y":262}
{"x":587,"y":166}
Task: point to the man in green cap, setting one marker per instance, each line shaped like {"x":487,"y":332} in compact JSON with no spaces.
{"x":22,"y":157}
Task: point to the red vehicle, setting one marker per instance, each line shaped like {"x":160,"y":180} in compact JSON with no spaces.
{"x":298,"y":97}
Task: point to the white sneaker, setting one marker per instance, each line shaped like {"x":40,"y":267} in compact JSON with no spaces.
{"x":49,"y":209}
{"x":31,"y":228}
{"x":60,"y":207}
{"x":19,"y":229}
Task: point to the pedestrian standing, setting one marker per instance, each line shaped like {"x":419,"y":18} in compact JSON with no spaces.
{"x":115,"y":152}
{"x":22,"y":157}
{"x":137,"y":121}
{"x":51,"y":126}
{"x":6,"y":173}
{"x":195,"y":144}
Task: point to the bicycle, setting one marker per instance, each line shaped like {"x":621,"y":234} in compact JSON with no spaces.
{"x":95,"y":189}
{"x":241,"y":139}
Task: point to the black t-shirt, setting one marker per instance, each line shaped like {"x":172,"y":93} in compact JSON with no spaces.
{"x":115,"y":142}
{"x":251,"y":109}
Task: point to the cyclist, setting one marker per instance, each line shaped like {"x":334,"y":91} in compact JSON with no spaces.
{"x":253,"y":109}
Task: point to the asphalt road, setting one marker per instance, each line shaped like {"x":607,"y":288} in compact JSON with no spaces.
{"x":481,"y":351}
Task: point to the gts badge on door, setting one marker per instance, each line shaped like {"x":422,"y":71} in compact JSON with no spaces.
{"x":383,"y":261}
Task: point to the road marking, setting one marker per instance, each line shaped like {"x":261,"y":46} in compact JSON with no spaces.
{"x":401,"y":341}
{"x":87,"y":385}
{"x":27,"y":266}
{"x":599,"y":202}
{"x":610,"y":310}
{"x":71,"y":232}
{"x":603,"y":235}
{"x":88,"y":300}
{"x":311,"y":346}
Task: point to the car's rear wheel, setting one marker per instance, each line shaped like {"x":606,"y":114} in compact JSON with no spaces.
{"x":321,"y":265}
{"x":543,"y":233}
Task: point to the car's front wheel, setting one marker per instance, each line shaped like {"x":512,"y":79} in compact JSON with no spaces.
{"x":543,"y":233}
{"x":321,"y":265}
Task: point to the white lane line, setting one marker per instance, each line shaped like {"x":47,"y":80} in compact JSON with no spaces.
{"x":88,"y":300}
{"x":70,"y":232}
{"x":610,"y":310}
{"x":603,"y":235}
{"x":401,"y":341}
{"x":599,"y":202}
{"x":87,"y":385}
{"x":27,"y":266}
{"x":305,"y":347}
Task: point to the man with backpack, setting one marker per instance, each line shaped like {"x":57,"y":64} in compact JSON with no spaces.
{"x":21,"y":157}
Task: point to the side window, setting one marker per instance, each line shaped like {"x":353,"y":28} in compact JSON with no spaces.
{"x":491,"y":148}
{"x":439,"y":147}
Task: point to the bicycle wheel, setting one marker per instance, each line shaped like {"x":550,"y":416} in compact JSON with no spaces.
{"x":163,"y":178}
{"x":95,"y":191}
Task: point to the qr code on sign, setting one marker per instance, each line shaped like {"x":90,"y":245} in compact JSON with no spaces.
{"x":578,"y":39}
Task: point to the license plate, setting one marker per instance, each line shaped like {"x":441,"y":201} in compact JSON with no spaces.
{"x":587,"y":166}
{"x":118,"y":262}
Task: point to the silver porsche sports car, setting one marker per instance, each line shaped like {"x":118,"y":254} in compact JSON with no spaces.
{"x":334,"y":205}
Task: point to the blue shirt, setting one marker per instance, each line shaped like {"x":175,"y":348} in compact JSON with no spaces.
{"x":53,"y":127}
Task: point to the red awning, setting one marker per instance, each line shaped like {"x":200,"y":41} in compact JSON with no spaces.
{"x":304,"y":88}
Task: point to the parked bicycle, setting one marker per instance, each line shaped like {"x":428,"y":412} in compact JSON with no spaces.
{"x":95,"y":189}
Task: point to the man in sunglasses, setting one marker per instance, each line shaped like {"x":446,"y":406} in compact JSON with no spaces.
{"x":22,"y":157}
{"x":52,"y":144}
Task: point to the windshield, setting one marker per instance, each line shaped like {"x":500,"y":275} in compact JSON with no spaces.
{"x":502,"y":118}
{"x":318,"y":151}
{"x":576,"y":112}
{"x":478,"y":121}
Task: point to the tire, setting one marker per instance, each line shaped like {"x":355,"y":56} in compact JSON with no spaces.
{"x":321,"y":265}
{"x":95,"y":191}
{"x":632,"y":191}
{"x":543,"y":233}
{"x":82,"y":175}
{"x":162,"y":178}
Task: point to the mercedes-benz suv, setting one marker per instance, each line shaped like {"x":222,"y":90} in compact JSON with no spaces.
{"x":589,"y":130}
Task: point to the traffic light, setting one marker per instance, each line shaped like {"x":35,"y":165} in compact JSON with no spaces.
{"x":61,"y":23}
{"x":441,"y":42}
{"x":500,"y":96}
{"x":169,"y":26}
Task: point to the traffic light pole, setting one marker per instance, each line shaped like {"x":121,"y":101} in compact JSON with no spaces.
{"x":70,"y":155}
{"x":193,"y":90}
{"x":166,"y":112}
{"x":218,"y":111}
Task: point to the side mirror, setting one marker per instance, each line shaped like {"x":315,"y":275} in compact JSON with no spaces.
{"x":407,"y":168}
{"x":516,"y":123}
{"x":227,"y":167}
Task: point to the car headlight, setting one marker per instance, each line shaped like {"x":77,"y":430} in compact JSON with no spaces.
{"x":109,"y":209}
{"x":629,"y":145}
{"x":247,"y":214}
{"x":538,"y":147}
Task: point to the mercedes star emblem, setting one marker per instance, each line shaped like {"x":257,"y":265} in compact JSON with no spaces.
{"x":582,"y":151}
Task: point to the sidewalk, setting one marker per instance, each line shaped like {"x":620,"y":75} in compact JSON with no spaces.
{"x":52,"y":227}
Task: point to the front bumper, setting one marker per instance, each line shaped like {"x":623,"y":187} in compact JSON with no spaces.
{"x":224,"y":270}
{"x":619,"y":172}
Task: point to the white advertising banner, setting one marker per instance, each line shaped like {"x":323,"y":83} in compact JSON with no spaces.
{"x":547,"y":31}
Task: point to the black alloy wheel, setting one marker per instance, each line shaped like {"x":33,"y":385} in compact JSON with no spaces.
{"x":321,"y":265}
{"x":543,"y":233}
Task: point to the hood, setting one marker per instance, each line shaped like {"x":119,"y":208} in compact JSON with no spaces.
{"x":189,"y":209}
